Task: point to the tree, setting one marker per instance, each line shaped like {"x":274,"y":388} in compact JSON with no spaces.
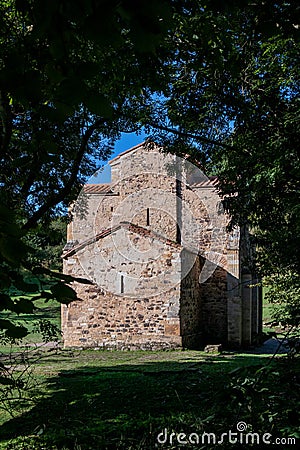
{"x":48,"y":242}
{"x":73,"y":75}
{"x":234,"y":100}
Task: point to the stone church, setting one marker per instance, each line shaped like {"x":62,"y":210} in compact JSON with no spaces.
{"x":164,"y":270}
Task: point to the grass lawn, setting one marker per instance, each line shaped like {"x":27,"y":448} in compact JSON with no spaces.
{"x":49,"y":311}
{"x":89,"y":400}
{"x":105,"y":400}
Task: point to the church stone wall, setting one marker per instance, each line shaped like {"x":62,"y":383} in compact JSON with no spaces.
{"x":140,"y":192}
{"x":149,"y":289}
{"x":107,"y":321}
{"x":115,"y":321}
{"x":214,"y":308}
{"x":191,"y":305}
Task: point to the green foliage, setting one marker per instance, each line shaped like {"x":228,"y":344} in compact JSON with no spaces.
{"x":47,"y":330}
{"x":12,"y":331}
{"x":234,"y":100}
{"x":284,"y":294}
{"x":43,"y":323}
{"x":48,"y":241}
{"x":73,"y":76}
{"x":108,"y":400}
{"x":250,"y":384}
{"x":16,"y":269}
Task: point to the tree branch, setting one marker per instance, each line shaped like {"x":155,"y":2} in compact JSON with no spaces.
{"x":6,"y":123}
{"x":199,"y":138}
{"x":59,"y":196}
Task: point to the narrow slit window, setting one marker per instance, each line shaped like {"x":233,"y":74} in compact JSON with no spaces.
{"x":148,"y":217}
{"x":111,"y":208}
{"x":122,"y":284}
{"x":178,"y":234}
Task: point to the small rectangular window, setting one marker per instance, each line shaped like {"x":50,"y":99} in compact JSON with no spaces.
{"x":178,"y":234}
{"x":111,"y":208}
{"x":148,"y":217}
{"x":122,"y":284}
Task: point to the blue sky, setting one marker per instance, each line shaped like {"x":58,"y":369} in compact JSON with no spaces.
{"x":127,"y":141}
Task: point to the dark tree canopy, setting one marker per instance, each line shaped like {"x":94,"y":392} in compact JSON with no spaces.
{"x":234,"y":103}
{"x":73,"y":76}
{"x":234,"y":99}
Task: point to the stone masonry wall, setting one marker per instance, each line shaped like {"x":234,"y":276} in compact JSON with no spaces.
{"x":191,"y":304}
{"x":116,"y":322}
{"x":214,"y":308}
{"x":103,"y":319}
{"x":149,"y":291}
{"x":153,"y":192}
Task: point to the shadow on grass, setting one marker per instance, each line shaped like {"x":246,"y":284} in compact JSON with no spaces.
{"x":126,"y":406}
{"x":49,"y":313}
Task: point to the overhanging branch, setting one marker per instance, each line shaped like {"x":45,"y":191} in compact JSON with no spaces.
{"x":199,"y":138}
{"x":59,"y":196}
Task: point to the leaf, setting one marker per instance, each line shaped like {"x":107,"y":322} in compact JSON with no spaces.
{"x":7,"y":222}
{"x":55,"y":75}
{"x":13,"y":331}
{"x":72,"y":91}
{"x":63,"y":293}
{"x":5,"y":324}
{"x":56,"y":49}
{"x":6,"y":381}
{"x":44,"y":296}
{"x":24,"y":306}
{"x":6,"y":302}
{"x":17,"y":332}
{"x":13,"y":250}
{"x":23,"y":286}
{"x":61,"y":276}
{"x":58,"y":112}
{"x":83,"y":280}
{"x":5,"y":281}
{"x":100,"y":105}
{"x":51,"y":147}
{"x":61,"y":112}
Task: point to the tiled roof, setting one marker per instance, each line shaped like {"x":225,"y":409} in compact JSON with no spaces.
{"x":106,"y":189}
{"x":98,"y":189}
{"x":210,"y":182}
